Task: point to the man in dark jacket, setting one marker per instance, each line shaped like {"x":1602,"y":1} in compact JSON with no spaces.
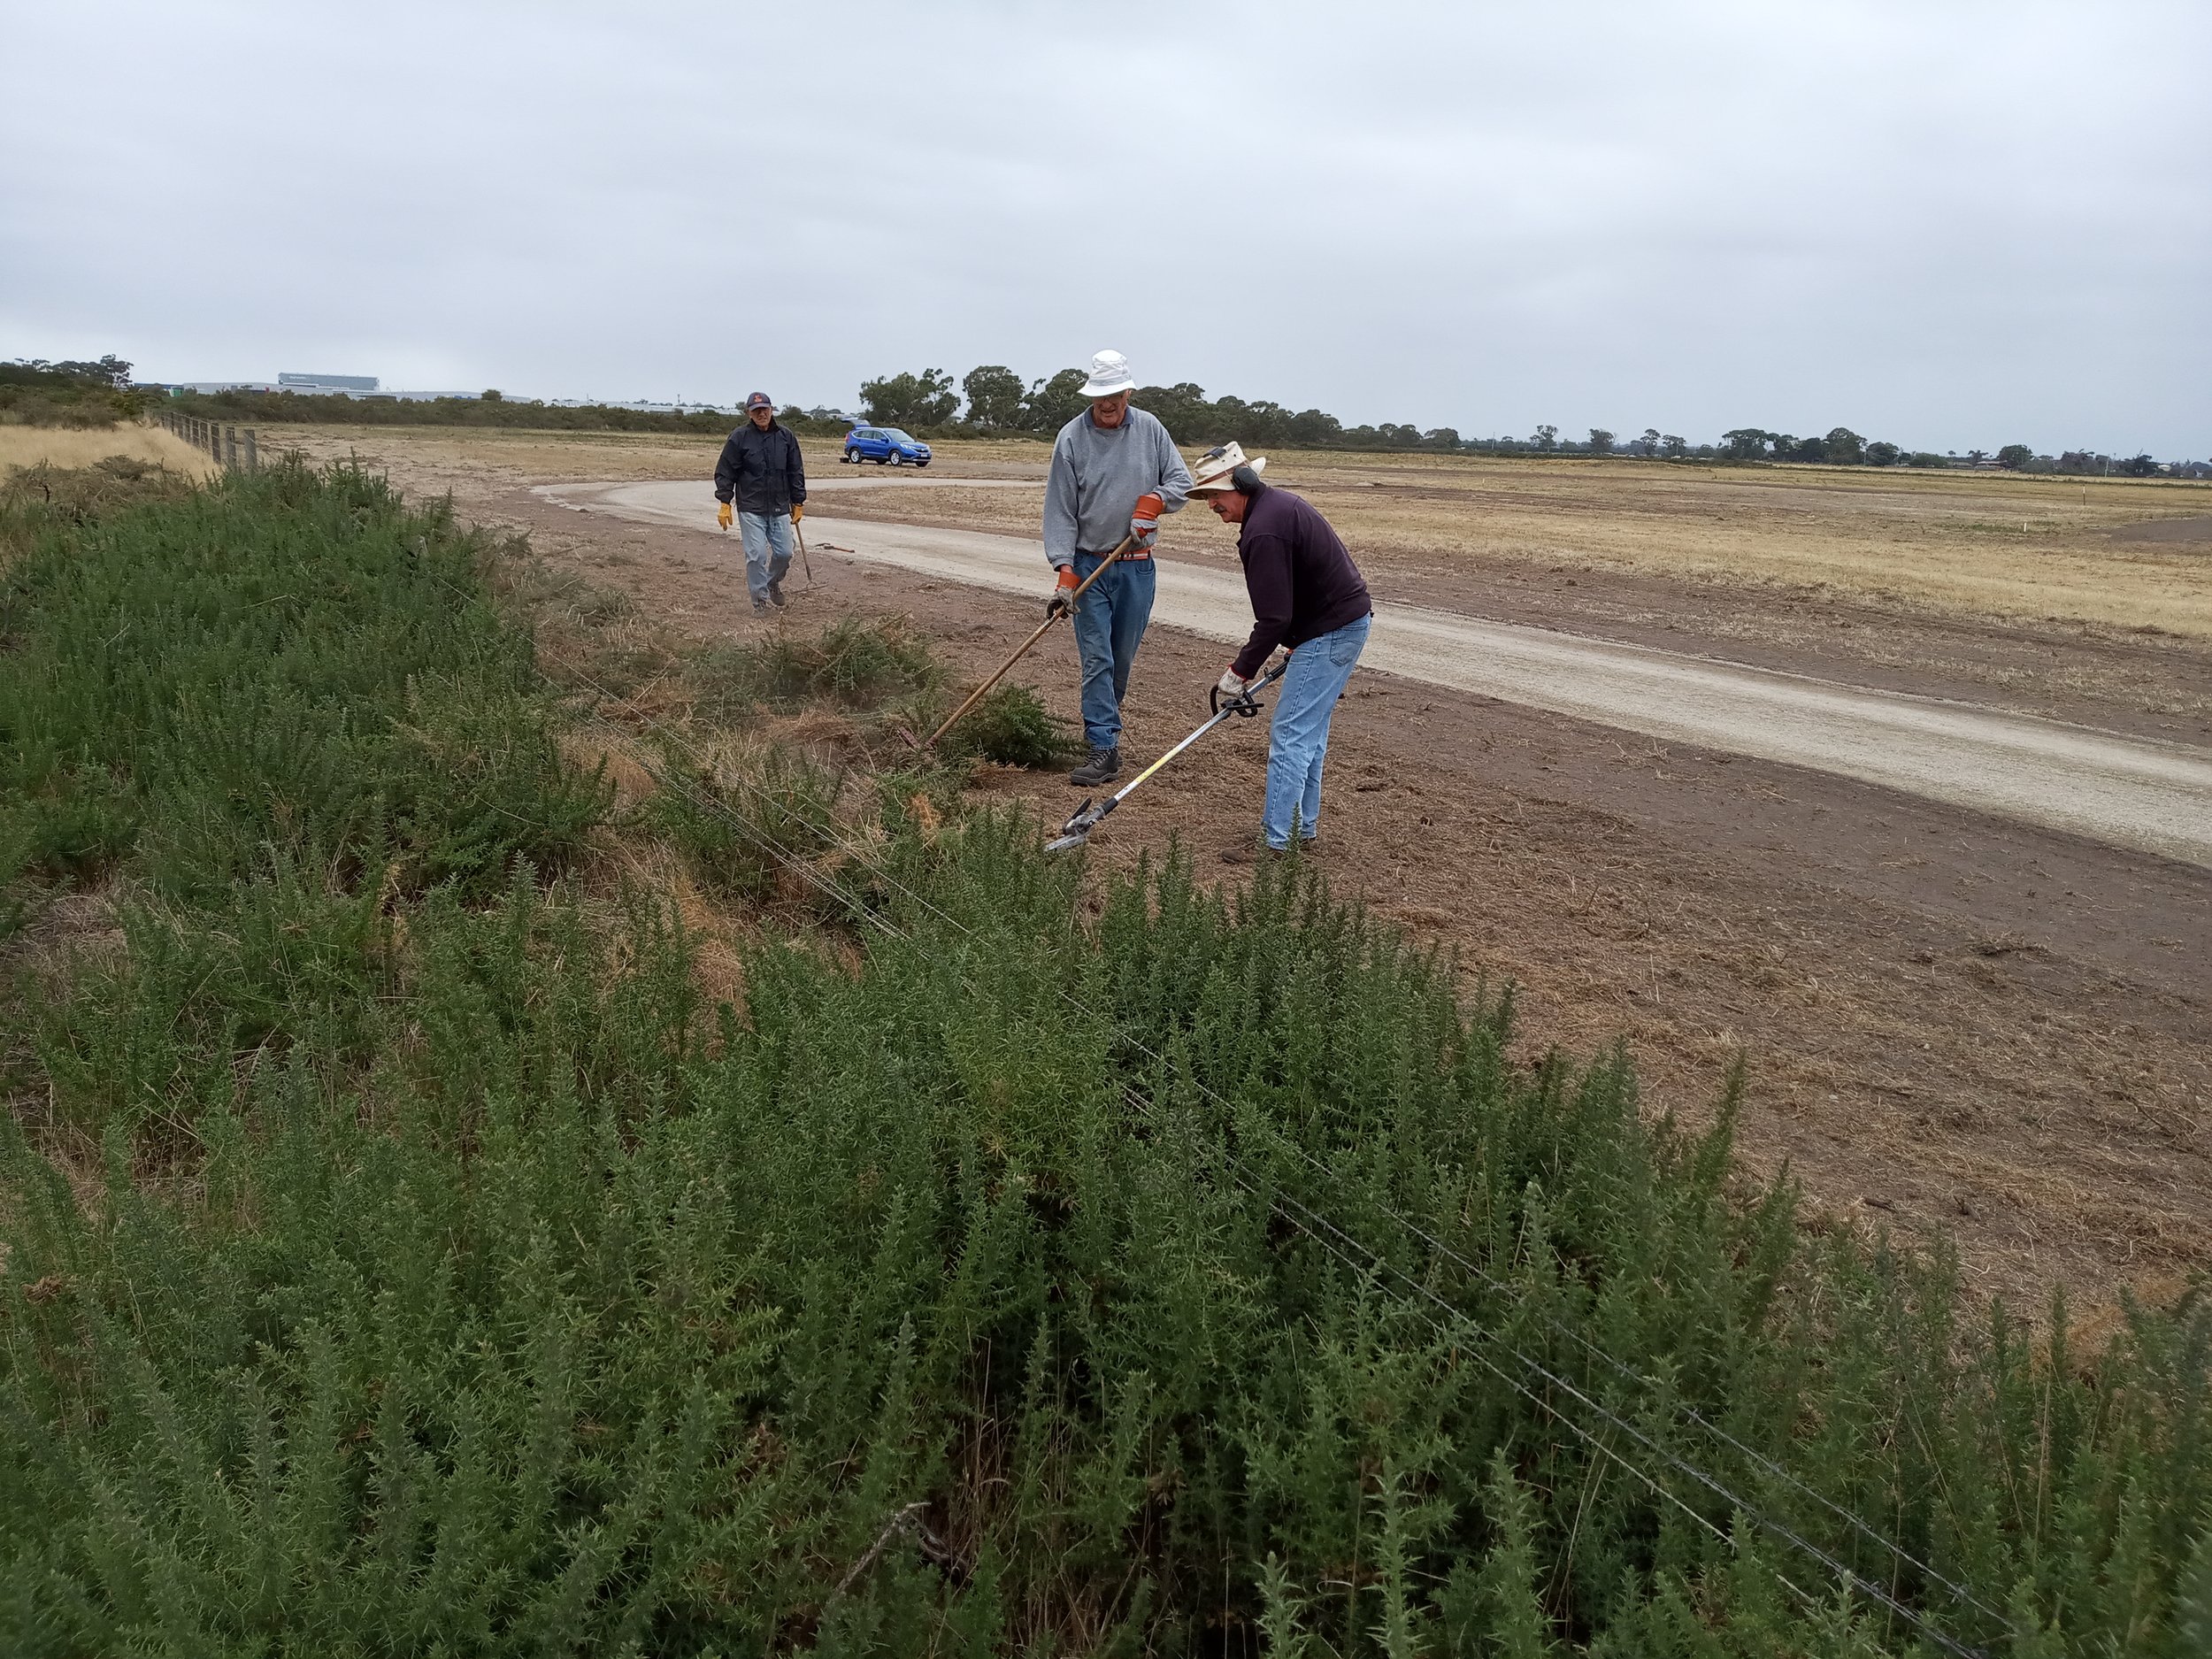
{"x":1307,"y":595}
{"x":761,"y":469}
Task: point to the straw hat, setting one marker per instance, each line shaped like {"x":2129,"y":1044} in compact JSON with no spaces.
{"x":1211,"y":473}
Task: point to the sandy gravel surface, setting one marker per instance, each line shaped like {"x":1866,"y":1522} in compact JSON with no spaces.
{"x":2125,"y":791}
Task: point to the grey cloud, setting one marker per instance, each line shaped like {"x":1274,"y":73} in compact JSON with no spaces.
{"x":1953,"y":226}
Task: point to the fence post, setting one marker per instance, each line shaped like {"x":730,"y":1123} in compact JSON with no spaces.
{"x":253,"y":452}
{"x":215,"y":441}
{"x":230,"y":448}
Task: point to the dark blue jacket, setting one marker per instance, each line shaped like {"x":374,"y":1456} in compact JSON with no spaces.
{"x":1302,"y":582}
{"x":761,"y":470}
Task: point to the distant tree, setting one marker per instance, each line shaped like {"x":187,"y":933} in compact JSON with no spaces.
{"x":994,"y":395}
{"x":1801,"y":449}
{"x":1927,"y":458}
{"x":1881,"y":454}
{"x":1050,"y":405}
{"x":2139,"y":466}
{"x":109,"y":371}
{"x":1978,"y":456}
{"x":1546,"y":438}
{"x":1673,"y":447}
{"x":493,"y":395}
{"x":1651,"y":441}
{"x":1745,"y":444}
{"x":1312,"y":428}
{"x":1600,"y":441}
{"x":1445,"y":438}
{"x":1183,"y":408}
{"x":1844,"y":447}
{"x":926,"y":399}
{"x":2013,"y":456}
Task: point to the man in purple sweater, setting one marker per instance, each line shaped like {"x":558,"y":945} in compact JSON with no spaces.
{"x":1308,"y":595}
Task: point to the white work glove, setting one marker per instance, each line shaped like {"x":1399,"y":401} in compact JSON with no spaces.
{"x":1231,"y":684}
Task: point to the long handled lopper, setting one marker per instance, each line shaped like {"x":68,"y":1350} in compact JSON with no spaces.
{"x":1022,"y":651}
{"x":1077,"y":830}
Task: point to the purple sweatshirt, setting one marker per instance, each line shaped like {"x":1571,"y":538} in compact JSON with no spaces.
{"x":1302,"y":582}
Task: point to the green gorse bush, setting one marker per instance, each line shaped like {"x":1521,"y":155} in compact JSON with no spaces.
{"x":293,"y":669}
{"x":1011,"y":726}
{"x":1181,"y":1274}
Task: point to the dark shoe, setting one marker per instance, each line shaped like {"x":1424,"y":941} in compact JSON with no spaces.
{"x":1103,"y":766}
{"x":775,"y":592}
{"x":760,"y":606}
{"x":1251,"y":853}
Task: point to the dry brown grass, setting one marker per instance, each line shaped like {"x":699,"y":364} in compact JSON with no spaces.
{"x":1978,"y":544}
{"x":55,"y":446}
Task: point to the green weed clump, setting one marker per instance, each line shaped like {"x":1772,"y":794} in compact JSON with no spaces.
{"x":1010,"y":726}
{"x":1125,"y":1271}
{"x":756,"y":833}
{"x":855,"y":663}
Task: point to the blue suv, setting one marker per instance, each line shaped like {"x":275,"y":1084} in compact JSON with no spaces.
{"x":886,"y":446}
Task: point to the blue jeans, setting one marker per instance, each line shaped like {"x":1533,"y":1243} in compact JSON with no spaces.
{"x":1298,"y":738}
{"x":767,"y":537}
{"x":1109,"y":622}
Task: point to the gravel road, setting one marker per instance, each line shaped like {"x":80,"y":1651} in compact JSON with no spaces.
{"x":2123,"y":791}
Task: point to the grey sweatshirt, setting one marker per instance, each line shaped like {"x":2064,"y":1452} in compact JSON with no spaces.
{"x":1097,"y":476}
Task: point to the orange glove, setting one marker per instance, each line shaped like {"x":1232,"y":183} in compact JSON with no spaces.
{"x":1144,"y":522}
{"x":1062,"y":600}
{"x":722,"y":515}
{"x":798,"y":510}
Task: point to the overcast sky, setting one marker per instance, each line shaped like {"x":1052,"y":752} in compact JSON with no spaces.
{"x":1953,"y":226}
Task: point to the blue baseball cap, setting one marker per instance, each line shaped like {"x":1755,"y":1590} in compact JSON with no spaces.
{"x":758,"y":400}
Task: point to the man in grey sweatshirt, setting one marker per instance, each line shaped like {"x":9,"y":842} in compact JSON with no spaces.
{"x":1115,"y":470}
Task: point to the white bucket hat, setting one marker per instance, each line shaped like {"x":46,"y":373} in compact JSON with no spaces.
{"x":1210,"y":473}
{"x":1110,"y":373}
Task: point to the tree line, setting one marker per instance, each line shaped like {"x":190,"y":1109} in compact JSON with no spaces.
{"x":993,"y":399}
{"x":36,"y":393}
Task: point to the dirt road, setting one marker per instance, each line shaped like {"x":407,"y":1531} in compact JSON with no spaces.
{"x":2125,"y":792}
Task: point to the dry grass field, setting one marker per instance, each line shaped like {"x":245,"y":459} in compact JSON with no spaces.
{"x":53,"y":446}
{"x":2122,"y":554}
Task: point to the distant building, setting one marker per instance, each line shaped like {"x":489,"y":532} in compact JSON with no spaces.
{"x":349,"y":384}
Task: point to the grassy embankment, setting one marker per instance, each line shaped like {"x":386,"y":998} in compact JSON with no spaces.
{"x":410,"y":1247}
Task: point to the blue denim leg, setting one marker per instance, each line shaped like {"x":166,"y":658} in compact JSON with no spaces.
{"x":1298,"y":738}
{"x":1109,"y":625}
{"x":768,"y":548}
